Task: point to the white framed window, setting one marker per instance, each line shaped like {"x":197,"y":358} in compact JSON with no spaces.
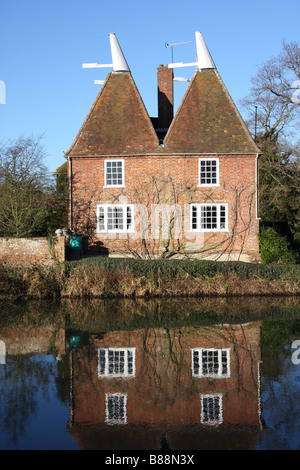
{"x":116,"y":362}
{"x":208,"y":172}
{"x":115,"y":218}
{"x":209,"y":217}
{"x":213,"y":363}
{"x":116,"y":408}
{"x":212,"y":409}
{"x":114,"y":173}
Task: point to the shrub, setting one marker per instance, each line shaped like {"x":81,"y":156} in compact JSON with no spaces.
{"x":275,"y":248}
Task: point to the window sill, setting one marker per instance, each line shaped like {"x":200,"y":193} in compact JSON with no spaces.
{"x":115,"y":231}
{"x":114,"y":186}
{"x":206,"y":230}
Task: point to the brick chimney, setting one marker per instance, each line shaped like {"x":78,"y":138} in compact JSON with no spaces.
{"x":165,"y":96}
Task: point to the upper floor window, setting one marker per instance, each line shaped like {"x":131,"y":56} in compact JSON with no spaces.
{"x":115,"y":218}
{"x":114,"y":173}
{"x":116,"y":408}
{"x":208,"y":171}
{"x":213,"y":363}
{"x":212,"y":409}
{"x":209,"y":217}
{"x":116,"y":362}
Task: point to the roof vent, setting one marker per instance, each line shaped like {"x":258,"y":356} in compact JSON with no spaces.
{"x":204,"y":59}
{"x":119,"y":63}
{"x":118,"y":59}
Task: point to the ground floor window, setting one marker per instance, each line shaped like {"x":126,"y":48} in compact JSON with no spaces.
{"x":116,"y":362}
{"x":210,"y":362}
{"x":209,"y":217}
{"x":115,"y":218}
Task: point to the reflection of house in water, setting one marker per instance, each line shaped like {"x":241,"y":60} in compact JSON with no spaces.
{"x":195,"y":387}
{"x":16,"y":341}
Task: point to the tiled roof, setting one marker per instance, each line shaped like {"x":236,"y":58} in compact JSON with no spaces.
{"x":208,"y":121}
{"x":118,"y":123}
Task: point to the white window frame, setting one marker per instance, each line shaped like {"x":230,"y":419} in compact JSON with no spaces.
{"x":111,"y":356}
{"x":217,"y":398}
{"x":199,"y":207}
{"x":216,"y":355}
{"x":217,"y":183}
{"x":123,"y":207}
{"x":110,"y":400}
{"x":122,"y":185}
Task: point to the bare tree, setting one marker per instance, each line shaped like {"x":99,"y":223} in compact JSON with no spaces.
{"x":162,"y":219}
{"x":273,"y":95}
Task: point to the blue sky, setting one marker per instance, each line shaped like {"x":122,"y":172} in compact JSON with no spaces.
{"x":43,"y":44}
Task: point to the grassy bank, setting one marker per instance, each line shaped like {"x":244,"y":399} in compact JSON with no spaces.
{"x":129,"y":278}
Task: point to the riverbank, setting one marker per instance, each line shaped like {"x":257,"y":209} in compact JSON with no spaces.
{"x":130,"y":278}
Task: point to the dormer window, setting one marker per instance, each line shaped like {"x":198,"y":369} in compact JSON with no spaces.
{"x":114,"y":173}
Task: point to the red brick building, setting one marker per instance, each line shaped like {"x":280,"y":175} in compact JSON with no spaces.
{"x":197,"y":386}
{"x":172,"y":185}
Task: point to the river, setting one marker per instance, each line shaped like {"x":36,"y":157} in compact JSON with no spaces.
{"x":168,"y":374}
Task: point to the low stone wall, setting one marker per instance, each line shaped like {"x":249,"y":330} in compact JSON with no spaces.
{"x":26,"y":251}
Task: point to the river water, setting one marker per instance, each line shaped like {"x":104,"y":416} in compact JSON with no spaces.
{"x":172,"y":374}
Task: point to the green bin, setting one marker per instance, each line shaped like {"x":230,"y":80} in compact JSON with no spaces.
{"x":75,"y":244}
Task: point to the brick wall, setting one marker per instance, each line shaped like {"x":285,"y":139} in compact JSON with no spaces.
{"x":165,"y":96}
{"x":26,"y":251}
{"x":237,"y":188}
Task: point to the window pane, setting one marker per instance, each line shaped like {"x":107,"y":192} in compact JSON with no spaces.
{"x":195,"y":362}
{"x":194,"y":217}
{"x":101,"y":361}
{"x":129,"y":218}
{"x":222,"y":217}
{"x":101,"y":219}
{"x":224,"y":363}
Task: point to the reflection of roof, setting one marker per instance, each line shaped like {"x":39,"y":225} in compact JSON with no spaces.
{"x":118,"y":123}
{"x":207,"y":120}
{"x":62,"y":167}
{"x":106,"y":437}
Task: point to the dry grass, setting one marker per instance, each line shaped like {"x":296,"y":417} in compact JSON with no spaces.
{"x":103,"y":281}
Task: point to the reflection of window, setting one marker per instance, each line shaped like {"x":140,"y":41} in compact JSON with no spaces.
{"x":116,"y":404}
{"x":211,"y":363}
{"x":211,"y":409}
{"x":209,"y":217}
{"x":114,"y":172}
{"x":2,"y":352}
{"x":116,"y":362}
{"x":114,"y":218}
{"x":208,"y":171}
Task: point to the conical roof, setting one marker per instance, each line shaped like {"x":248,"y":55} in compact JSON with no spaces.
{"x":207,"y":120}
{"x":117,"y":123}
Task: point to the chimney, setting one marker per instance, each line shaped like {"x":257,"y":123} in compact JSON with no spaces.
{"x":165,"y":96}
